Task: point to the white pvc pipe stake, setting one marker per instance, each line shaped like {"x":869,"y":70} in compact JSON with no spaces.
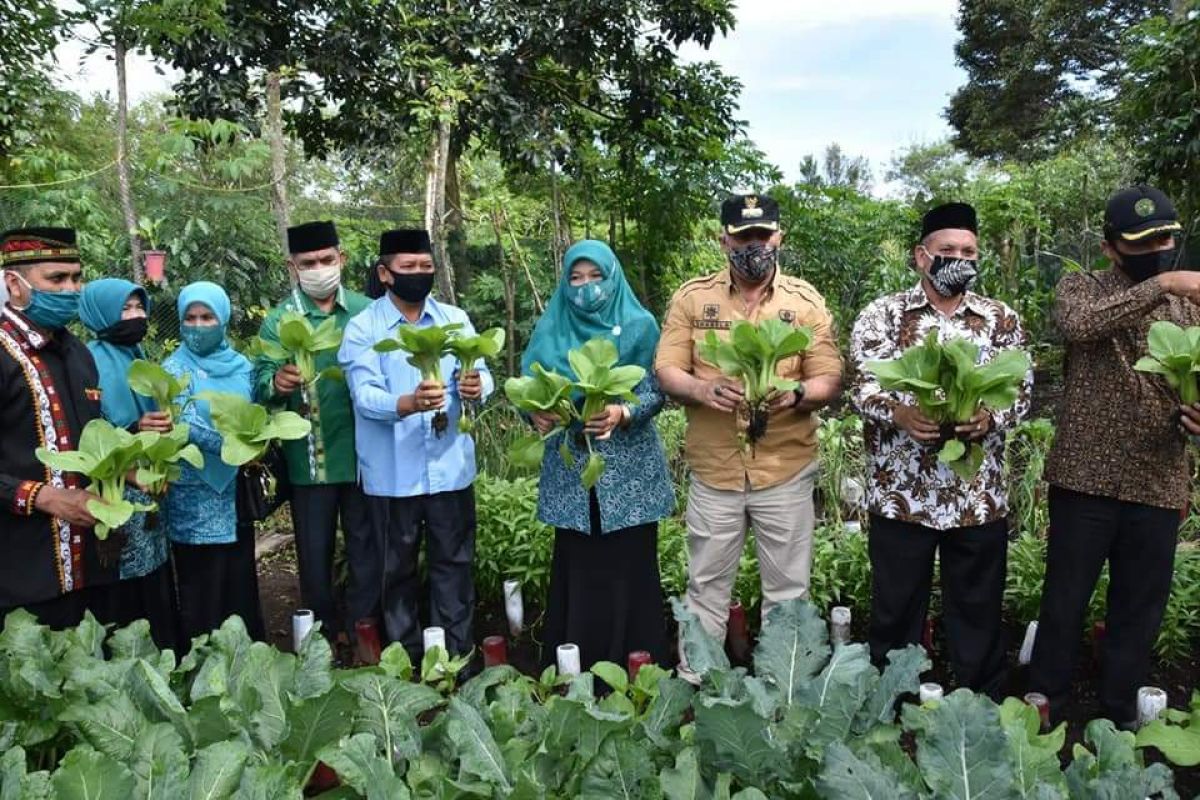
{"x":434,"y":637}
{"x":852,"y":492}
{"x":853,"y":527}
{"x":1026,"y":654}
{"x":839,"y":624}
{"x":1151,"y":703}
{"x":302,"y":624}
{"x":930,"y":691}
{"x":514,"y":607}
{"x":568,"y":659}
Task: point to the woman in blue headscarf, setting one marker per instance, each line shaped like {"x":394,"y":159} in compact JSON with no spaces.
{"x":605,"y":594}
{"x":214,"y":554}
{"x":114,"y":310}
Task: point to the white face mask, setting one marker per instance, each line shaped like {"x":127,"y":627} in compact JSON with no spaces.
{"x":321,"y":282}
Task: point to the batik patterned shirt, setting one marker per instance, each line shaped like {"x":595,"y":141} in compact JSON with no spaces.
{"x":906,"y":481}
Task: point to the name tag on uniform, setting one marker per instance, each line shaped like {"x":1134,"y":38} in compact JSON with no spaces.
{"x":711,"y":319}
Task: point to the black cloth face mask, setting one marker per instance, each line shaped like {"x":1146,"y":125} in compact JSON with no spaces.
{"x":1144,"y":266}
{"x":126,"y":333}
{"x":411,"y":287}
{"x":952,"y":276}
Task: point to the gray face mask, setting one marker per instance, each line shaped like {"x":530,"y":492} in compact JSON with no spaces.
{"x":952,"y":276}
{"x":754,"y":262}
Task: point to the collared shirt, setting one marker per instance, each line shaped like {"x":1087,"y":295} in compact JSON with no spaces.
{"x":905,"y":480}
{"x":405,"y":457}
{"x":49,"y":391}
{"x":326,"y":455}
{"x":713,"y":303}
{"x":1117,"y":430}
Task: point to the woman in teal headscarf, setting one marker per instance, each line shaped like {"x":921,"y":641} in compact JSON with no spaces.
{"x":605,"y":594}
{"x":214,"y":554}
{"x":114,"y":310}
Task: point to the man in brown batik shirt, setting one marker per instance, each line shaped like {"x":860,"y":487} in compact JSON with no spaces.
{"x":1118,"y":468}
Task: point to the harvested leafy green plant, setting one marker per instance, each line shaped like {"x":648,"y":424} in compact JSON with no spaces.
{"x":151,"y":380}
{"x":300,"y":342}
{"x":950,"y":387}
{"x":599,"y":381}
{"x":425,"y":348}
{"x":469,"y":350}
{"x":1174,"y":354}
{"x":107,"y":455}
{"x":752,"y":355}
{"x":247,"y":429}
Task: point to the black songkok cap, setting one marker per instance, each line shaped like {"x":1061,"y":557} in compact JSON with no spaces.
{"x":312,"y":236}
{"x":38,"y":245}
{"x":404,"y":240}
{"x":959,"y":216}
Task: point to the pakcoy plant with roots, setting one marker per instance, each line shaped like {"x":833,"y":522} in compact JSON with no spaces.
{"x":108,"y":456}
{"x":248,"y":429}
{"x":1174,"y":354}
{"x":469,"y":350}
{"x":300,"y":342}
{"x":752,"y":355}
{"x":425,"y":348}
{"x":598,"y":381}
{"x":950,"y":386}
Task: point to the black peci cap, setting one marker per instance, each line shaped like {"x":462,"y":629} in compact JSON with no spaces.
{"x":741,"y":212}
{"x":312,"y":236}
{"x":956,"y":216}
{"x":404,"y":240}
{"x":1138,"y":212}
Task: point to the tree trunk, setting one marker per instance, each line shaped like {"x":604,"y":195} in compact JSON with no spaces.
{"x":1179,"y":10}
{"x":279,"y":199}
{"x":435,"y":208}
{"x":456,"y":235}
{"x":559,"y":242}
{"x":510,"y":298}
{"x":123,"y":181}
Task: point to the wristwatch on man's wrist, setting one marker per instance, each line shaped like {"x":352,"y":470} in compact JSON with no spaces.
{"x":798,"y":395}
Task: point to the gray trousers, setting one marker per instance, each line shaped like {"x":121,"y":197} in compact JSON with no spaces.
{"x":315,"y":514}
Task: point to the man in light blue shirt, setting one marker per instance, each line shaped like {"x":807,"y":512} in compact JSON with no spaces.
{"x":415,"y":467}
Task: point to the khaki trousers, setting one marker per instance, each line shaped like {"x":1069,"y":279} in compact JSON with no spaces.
{"x":782,"y":518}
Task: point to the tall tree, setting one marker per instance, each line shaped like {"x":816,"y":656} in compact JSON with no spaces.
{"x":122,"y":27}
{"x":29,"y":31}
{"x":1039,"y":72}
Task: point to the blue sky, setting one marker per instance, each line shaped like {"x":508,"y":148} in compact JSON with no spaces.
{"x":872,"y":75}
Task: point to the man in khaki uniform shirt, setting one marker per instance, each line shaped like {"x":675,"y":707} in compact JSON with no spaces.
{"x":772,"y":488}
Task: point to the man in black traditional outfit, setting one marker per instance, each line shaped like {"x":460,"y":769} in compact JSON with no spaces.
{"x":48,"y":392}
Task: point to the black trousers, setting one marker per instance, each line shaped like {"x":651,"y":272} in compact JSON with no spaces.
{"x":216,"y":581}
{"x":446,"y":521}
{"x":973,"y":564}
{"x":1138,"y":542}
{"x":58,"y":613}
{"x":315,"y":514}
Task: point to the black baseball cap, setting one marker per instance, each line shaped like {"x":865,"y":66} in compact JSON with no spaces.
{"x":1138,"y":212}
{"x":741,"y":212}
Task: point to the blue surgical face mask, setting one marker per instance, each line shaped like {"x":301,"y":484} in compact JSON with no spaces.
{"x":50,"y":310}
{"x":590,"y":296}
{"x":202,"y":339}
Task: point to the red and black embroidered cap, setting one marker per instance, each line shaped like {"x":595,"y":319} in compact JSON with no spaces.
{"x":38,"y":245}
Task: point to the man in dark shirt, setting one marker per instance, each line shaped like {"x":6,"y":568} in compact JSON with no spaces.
{"x":1118,"y":470}
{"x":48,"y":392}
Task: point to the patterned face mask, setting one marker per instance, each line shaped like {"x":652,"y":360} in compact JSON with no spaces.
{"x":952,"y":276}
{"x":754,"y":262}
